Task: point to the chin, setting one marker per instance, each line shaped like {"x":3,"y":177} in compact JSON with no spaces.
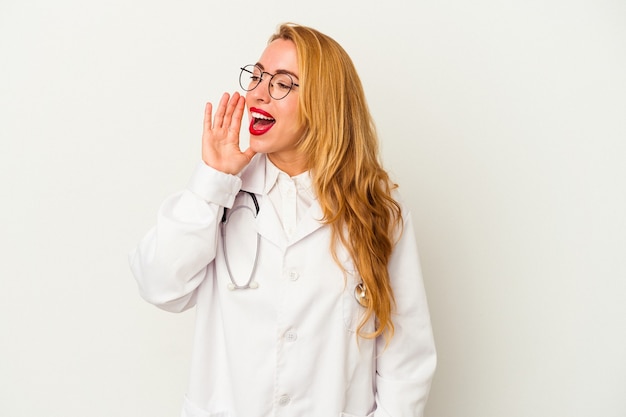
{"x":258,"y":146}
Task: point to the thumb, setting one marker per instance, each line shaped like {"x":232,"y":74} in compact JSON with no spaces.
{"x":249,"y":153}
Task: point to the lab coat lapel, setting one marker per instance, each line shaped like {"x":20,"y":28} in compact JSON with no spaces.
{"x":310,"y":222}
{"x":269,"y":225}
{"x":268,"y":222}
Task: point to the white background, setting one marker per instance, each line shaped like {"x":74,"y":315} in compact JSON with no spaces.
{"x":504,"y":123}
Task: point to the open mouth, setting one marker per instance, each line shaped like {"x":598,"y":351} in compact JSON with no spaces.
{"x":260,"y":121}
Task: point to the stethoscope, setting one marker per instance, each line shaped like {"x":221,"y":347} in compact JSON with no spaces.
{"x":250,"y":284}
{"x":360,"y":291}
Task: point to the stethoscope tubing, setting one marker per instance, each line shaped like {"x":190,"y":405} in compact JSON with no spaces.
{"x":250,"y":284}
{"x":360,"y":291}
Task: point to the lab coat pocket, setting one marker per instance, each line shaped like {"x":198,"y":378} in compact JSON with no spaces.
{"x":353,"y":311}
{"x":192,"y":410}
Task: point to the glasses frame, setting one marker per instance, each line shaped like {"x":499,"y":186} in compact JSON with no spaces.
{"x":269,"y":84}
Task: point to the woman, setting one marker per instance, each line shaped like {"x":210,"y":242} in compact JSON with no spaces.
{"x":296,"y":253}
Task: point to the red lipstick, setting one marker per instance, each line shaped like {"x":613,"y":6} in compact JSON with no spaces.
{"x":260,"y":121}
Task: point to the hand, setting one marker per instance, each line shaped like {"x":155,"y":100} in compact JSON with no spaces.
{"x":220,"y":137}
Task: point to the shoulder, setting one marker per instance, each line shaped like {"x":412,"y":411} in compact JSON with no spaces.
{"x":405,"y":224}
{"x":401,"y":200}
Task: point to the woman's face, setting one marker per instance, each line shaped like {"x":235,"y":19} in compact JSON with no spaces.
{"x":274,"y":127}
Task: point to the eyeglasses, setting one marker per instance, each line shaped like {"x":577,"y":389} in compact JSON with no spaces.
{"x":279,"y":84}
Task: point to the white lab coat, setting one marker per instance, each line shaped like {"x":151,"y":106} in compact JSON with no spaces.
{"x":289,"y":347}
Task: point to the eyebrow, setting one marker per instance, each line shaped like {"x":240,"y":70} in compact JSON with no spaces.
{"x":279,"y":71}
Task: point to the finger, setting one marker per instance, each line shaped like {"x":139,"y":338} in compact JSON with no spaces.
{"x":231,"y":109}
{"x":208,"y":112}
{"x":221,"y":109}
{"x":235,"y":123}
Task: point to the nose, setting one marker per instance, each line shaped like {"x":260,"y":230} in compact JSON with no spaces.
{"x":261,"y":93}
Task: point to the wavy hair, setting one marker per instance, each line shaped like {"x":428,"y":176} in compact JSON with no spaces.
{"x":341,"y":146}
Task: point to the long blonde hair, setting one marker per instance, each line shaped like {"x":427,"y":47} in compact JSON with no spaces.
{"x":341,"y":146}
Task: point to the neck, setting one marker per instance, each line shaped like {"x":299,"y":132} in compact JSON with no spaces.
{"x":292,"y":165}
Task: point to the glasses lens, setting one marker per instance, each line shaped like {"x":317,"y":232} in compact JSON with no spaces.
{"x":250,"y":77}
{"x":280,"y":86}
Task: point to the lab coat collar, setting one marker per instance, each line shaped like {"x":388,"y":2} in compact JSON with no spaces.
{"x":260,"y":175}
{"x":270,"y":228}
{"x":274,"y":176}
{"x":254,"y":179}
{"x":253,"y":175}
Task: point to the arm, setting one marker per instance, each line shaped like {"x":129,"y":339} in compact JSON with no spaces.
{"x":171,"y":261}
{"x":405,"y":368}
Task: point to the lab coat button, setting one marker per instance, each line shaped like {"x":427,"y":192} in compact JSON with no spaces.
{"x":291,"y":336}
{"x":293,"y":275}
{"x":284,"y":400}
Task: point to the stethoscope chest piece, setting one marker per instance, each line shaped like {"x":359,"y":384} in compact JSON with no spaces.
{"x":252,"y":285}
{"x":360,"y":293}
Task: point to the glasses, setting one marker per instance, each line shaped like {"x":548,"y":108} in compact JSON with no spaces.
{"x":279,"y":84}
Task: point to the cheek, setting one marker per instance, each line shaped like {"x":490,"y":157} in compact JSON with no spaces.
{"x":291,"y":113}
{"x":294,"y":125}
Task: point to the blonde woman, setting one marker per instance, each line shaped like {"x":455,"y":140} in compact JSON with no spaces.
{"x":296,"y":253}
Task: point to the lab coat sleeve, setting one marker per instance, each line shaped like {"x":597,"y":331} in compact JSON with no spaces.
{"x":405,"y":368}
{"x":171,"y":261}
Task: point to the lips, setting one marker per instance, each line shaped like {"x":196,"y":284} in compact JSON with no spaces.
{"x":260,"y":121}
